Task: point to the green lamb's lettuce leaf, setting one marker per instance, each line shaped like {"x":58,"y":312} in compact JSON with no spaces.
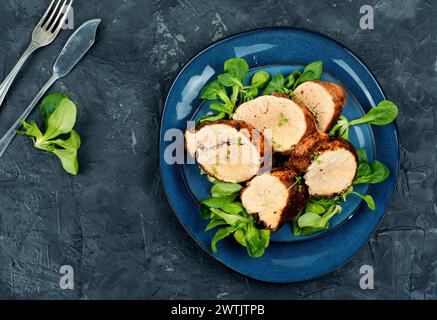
{"x":31,"y":130}
{"x":205,"y":211}
{"x":59,"y":114}
{"x":317,"y":221}
{"x":210,"y":118}
{"x":315,"y":208}
{"x":229,"y":215}
{"x":324,"y":202}
{"x":212,"y":179}
{"x":240,"y":236}
{"x":68,"y":152}
{"x":228,"y":80}
{"x":234,"y":208}
{"x":217,"y":203}
{"x":237,"y":68}
{"x":318,"y":213}
{"x":49,"y":105}
{"x":220,"y":235}
{"x":214,"y":223}
{"x":362,"y":155}
{"x":213,"y":91}
{"x":222,"y":189}
{"x":68,"y":159}
{"x":231,"y":219}
{"x":72,"y":143}
{"x":256,"y":240}
{"x":311,"y":220}
{"x":260,"y":79}
{"x":374,"y":173}
{"x":277,"y":84}
{"x":341,"y":128}
{"x":220,"y":107}
{"x":313,"y":71}
{"x":250,"y":93}
{"x":364,"y":170}
{"x":368,"y":199}
{"x":61,"y":120}
{"x":384,"y":113}
{"x":292,"y":78}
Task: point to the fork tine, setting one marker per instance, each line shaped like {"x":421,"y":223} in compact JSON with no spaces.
{"x":49,"y":20}
{"x":40,"y":22}
{"x":62,"y":17}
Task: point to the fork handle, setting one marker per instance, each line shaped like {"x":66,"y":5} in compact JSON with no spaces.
{"x":10,"y":134}
{"x":6,"y":84}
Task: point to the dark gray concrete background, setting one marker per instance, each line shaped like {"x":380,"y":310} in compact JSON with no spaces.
{"x":113,"y":224}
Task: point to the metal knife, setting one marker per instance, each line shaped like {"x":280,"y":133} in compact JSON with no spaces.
{"x":76,"y":47}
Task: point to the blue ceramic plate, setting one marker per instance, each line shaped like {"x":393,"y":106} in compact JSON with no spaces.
{"x":281,"y":50}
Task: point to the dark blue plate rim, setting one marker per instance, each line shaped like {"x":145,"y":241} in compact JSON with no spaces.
{"x":396,"y":132}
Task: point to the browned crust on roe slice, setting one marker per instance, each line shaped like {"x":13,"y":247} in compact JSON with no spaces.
{"x":281,"y":95}
{"x":256,"y":136}
{"x":224,"y":171}
{"x":303,"y":155}
{"x":296,"y":199}
{"x":338,"y":95}
{"x":307,"y":152}
{"x":297,"y":189}
{"x":306,"y":124}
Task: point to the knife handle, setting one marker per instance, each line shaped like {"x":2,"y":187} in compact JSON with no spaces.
{"x":6,"y":84}
{"x":10,"y":134}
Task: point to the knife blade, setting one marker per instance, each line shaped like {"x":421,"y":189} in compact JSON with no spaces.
{"x":74,"y":50}
{"x":76,"y":47}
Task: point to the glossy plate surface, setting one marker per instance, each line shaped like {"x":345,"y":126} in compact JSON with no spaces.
{"x":281,"y":50}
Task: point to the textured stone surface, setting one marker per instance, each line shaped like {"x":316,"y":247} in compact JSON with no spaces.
{"x":112,"y":222}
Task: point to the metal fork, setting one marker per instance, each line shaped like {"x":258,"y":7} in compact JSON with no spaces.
{"x":44,"y":33}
